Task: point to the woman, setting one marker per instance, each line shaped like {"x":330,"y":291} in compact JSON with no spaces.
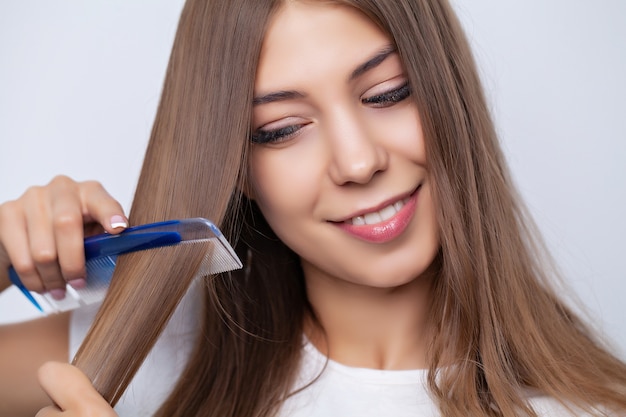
{"x":346,"y":149}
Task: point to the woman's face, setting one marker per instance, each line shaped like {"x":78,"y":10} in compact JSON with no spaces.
{"x":338,"y":166}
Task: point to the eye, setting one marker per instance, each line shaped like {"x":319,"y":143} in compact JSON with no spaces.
{"x":276,"y":135}
{"x":389,"y":98}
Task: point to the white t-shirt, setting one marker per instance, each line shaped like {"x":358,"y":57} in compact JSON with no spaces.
{"x":347,"y":391}
{"x":338,"y":391}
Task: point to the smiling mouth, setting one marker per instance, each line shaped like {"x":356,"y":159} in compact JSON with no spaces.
{"x":382,"y":225}
{"x":381,"y":215}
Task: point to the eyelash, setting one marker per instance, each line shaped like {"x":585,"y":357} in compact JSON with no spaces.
{"x":275,"y":136}
{"x":386,"y":99}
{"x":390,"y":97}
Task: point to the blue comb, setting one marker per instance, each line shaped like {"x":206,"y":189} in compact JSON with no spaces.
{"x":101,"y":252}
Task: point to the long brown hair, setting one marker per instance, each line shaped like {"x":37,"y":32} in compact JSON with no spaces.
{"x":498,"y":328}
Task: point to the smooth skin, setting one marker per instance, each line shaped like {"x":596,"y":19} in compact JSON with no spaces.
{"x":346,"y":140}
{"x":353,"y":145}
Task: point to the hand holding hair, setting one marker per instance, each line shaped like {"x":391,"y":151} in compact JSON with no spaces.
{"x":41,"y":233}
{"x":72,"y":393}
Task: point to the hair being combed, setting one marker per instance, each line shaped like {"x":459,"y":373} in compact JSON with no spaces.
{"x":498,"y":328}
{"x":194,"y":167}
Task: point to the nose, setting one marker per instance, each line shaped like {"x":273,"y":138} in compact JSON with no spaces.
{"x":356,"y":153}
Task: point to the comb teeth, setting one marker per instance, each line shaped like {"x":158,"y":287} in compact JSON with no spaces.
{"x":99,"y":272}
{"x":101,"y":252}
{"x":220,"y":257}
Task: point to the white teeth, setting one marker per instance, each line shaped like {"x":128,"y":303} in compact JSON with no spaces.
{"x":373,"y":218}
{"x":379,"y":216}
{"x":388,"y":212}
{"x":358,"y":220}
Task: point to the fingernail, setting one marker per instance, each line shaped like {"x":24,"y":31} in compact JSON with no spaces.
{"x":118,"y":221}
{"x":58,"y":293}
{"x":77,"y":284}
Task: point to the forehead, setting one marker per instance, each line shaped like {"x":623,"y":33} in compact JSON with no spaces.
{"x":304,"y":38}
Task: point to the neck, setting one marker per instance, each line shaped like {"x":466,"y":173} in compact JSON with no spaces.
{"x":360,"y":326}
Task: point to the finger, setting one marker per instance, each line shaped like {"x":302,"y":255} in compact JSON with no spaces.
{"x":67,"y":223}
{"x":35,"y":203}
{"x":99,"y":206}
{"x":15,"y":248}
{"x":71,"y":391}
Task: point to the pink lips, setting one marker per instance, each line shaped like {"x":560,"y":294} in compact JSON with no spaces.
{"x":387,"y":230}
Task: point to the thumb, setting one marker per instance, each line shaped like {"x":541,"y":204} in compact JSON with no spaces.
{"x":72,"y":391}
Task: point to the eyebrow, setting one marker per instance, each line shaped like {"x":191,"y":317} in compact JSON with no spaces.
{"x":371,"y":63}
{"x":277,"y":96}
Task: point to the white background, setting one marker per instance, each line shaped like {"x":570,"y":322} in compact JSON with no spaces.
{"x":80,"y":81}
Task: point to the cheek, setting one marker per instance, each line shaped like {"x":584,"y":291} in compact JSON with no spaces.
{"x":283,"y":181}
{"x":401,"y":132}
